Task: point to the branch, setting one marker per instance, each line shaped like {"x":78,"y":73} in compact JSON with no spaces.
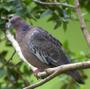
{"x":82,"y":23}
{"x":59,"y":70}
{"x":52,"y":72}
{"x":18,"y":50}
{"x":54,"y":3}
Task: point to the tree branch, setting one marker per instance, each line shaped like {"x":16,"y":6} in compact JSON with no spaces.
{"x":59,"y":70}
{"x":52,"y":72}
{"x":82,"y":23}
{"x":54,"y":3}
{"x":18,"y":50}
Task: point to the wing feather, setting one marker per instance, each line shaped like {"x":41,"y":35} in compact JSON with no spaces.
{"x":46,"y":48}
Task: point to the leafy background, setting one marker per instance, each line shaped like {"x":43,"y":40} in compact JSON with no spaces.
{"x":62,"y":22}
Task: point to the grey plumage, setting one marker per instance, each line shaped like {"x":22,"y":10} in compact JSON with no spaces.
{"x":47,"y":47}
{"x":40,"y":48}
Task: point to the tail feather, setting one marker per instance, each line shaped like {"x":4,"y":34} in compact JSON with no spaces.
{"x":75,"y":75}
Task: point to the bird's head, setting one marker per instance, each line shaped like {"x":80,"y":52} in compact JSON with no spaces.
{"x":13,"y":21}
{"x":17,"y":23}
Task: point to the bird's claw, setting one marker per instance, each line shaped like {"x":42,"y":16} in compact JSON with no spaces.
{"x":36,"y":73}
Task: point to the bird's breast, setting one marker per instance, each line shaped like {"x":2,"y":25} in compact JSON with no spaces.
{"x":32,"y":59}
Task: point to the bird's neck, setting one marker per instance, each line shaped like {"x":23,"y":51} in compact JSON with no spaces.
{"x":21,"y":29}
{"x":22,"y":26}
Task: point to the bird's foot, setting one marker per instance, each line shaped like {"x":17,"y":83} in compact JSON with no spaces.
{"x":36,"y":73}
{"x":39,"y":75}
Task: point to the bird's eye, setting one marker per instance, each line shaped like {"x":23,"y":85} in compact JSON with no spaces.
{"x":10,"y":16}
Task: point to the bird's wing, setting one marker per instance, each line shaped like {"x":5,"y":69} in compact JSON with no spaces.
{"x":46,"y":48}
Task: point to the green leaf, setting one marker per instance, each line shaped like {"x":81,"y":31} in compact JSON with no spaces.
{"x":46,"y":13}
{"x":2,"y":72}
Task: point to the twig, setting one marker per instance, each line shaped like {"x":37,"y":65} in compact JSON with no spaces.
{"x":18,"y":50}
{"x":82,"y":23}
{"x":52,"y":72}
{"x":54,"y":3}
{"x":59,"y":70}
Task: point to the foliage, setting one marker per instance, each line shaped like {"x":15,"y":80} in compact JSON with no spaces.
{"x":32,"y":10}
{"x":18,"y":74}
{"x":59,"y":14}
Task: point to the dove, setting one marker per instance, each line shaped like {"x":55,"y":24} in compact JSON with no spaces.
{"x":40,"y":48}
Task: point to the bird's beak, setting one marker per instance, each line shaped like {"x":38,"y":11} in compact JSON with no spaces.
{"x":9,"y":24}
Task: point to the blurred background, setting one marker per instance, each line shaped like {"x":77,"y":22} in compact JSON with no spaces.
{"x":59,"y":20}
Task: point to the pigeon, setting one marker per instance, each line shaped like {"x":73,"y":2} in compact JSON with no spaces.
{"x":40,"y":48}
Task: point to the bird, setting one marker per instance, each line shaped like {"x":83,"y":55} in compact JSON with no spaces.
{"x":40,"y":48}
